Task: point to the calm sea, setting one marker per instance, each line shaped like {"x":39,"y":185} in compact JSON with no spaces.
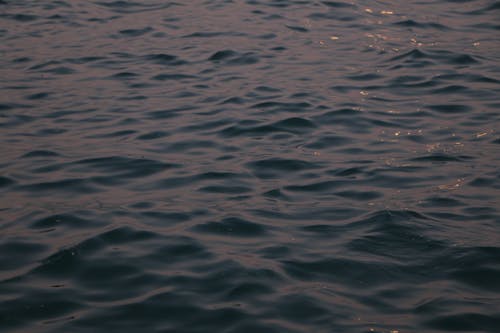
{"x":249,"y":166}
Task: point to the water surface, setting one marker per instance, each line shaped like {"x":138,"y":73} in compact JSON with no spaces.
{"x":249,"y":166}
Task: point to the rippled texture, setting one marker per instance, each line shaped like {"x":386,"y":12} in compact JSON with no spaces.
{"x":249,"y":166}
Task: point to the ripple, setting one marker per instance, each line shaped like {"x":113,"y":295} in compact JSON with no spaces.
{"x":316,"y":187}
{"x":124,"y":167}
{"x":350,"y":272}
{"x":72,"y":185}
{"x":20,"y":17}
{"x":465,"y":322}
{"x":226,"y":189}
{"x":136,"y":32}
{"x":175,"y":77}
{"x":276,"y":164}
{"x":165,"y":59}
{"x":230,"y":57}
{"x":450,"y":108}
{"x":290,"y":125}
{"x":4,"y":181}
{"x":232,"y":226}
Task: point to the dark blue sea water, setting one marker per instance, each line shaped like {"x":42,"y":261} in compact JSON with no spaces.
{"x":250,"y":166}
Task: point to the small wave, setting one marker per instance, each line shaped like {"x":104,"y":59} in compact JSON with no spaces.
{"x":290,"y":125}
{"x":230,"y":57}
{"x":135,"y":32}
{"x":232,"y":227}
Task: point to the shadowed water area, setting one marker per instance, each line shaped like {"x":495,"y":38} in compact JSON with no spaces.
{"x":249,"y":166}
